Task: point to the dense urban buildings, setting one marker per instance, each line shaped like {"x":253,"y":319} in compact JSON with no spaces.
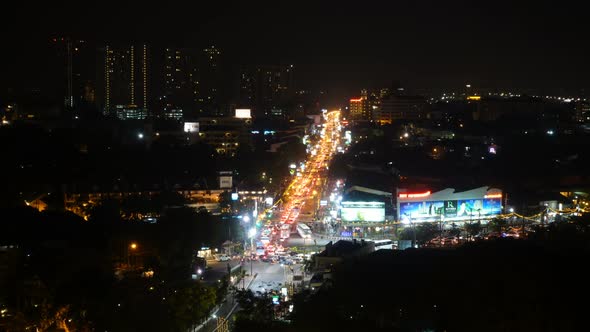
{"x":268,"y":90}
{"x":125,"y":81}
{"x":239,"y":167}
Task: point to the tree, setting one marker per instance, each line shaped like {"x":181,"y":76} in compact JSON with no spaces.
{"x":426,"y":232}
{"x":254,"y":308}
{"x":191,"y":304}
{"x":497,"y":225}
{"x":455,"y":231}
{"x":473,"y":229}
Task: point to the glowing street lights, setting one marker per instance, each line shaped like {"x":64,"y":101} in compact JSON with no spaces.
{"x":251,"y":235}
{"x":132,"y":246}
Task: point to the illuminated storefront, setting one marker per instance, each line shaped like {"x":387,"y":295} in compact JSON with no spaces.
{"x":448,"y":205}
{"x":362,"y":211}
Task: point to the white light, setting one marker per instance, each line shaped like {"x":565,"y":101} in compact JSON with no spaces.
{"x":140,"y":136}
{"x":243,"y":113}
{"x":406,"y":135}
{"x":199,"y":271}
{"x":511,"y":210}
{"x":246,"y":218}
{"x":252,"y":232}
{"x":550,"y":132}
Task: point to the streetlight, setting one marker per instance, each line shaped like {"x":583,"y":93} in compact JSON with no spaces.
{"x":406,"y":221}
{"x":251,"y":235}
{"x":132,"y":246}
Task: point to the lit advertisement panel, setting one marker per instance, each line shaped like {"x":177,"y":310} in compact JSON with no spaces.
{"x":191,"y":127}
{"x":243,"y":113}
{"x":450,"y":209}
{"x":362,"y":211}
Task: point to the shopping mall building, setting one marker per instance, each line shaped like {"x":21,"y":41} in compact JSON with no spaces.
{"x":448,"y":204}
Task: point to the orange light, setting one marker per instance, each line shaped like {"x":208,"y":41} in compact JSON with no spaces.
{"x":493,"y":196}
{"x":417,"y":195}
{"x":356,"y":99}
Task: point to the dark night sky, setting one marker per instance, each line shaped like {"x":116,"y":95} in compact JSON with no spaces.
{"x":335,"y":46}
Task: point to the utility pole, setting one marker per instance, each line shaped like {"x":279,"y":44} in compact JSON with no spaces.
{"x":441,"y":230}
{"x":413,"y":232}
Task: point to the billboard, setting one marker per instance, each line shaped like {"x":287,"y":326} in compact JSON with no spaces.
{"x":191,"y":127}
{"x":450,"y":209}
{"x":225,"y":182}
{"x":268,"y":201}
{"x":362,"y":211}
{"x":243,"y":113}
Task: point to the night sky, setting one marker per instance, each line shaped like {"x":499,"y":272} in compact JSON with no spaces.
{"x":335,"y":46}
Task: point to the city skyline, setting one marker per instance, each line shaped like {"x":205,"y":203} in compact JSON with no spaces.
{"x":294,"y":166}
{"x":339,"y":48}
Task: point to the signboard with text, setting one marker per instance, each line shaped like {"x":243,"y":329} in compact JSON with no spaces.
{"x":452,"y":209}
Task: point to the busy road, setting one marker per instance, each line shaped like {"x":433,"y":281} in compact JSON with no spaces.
{"x":293,"y":214}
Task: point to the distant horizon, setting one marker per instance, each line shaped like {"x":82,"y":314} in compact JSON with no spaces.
{"x":335,"y":47}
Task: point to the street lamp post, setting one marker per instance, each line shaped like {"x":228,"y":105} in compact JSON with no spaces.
{"x":414,"y":243}
{"x":413,"y":231}
{"x":251,"y":235}
{"x":132,"y":246}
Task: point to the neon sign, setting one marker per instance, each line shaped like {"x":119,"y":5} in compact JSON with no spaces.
{"x":416,"y":195}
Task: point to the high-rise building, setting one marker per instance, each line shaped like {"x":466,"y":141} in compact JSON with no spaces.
{"x":397,"y":107}
{"x":76,"y":77}
{"x":359,"y":109}
{"x":582,"y":111}
{"x":267,"y":89}
{"x":209,"y":81}
{"x":181,"y":81}
{"x":125,"y":78}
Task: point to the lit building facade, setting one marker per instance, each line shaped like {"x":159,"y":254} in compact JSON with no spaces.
{"x":448,"y":205}
{"x":125,"y":78}
{"x":129,"y":112}
{"x":582,"y":112}
{"x":397,"y":107}
{"x":75,"y":61}
{"x":267,"y":89}
{"x":359,"y":109}
{"x":208,"y":83}
{"x":226,"y":134}
{"x":181,"y":82}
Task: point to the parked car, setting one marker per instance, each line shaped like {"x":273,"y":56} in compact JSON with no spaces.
{"x":223,"y":258}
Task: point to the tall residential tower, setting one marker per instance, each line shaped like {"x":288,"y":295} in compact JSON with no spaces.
{"x":125,"y":81}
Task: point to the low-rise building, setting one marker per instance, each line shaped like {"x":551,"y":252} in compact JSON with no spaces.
{"x":336,"y":253}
